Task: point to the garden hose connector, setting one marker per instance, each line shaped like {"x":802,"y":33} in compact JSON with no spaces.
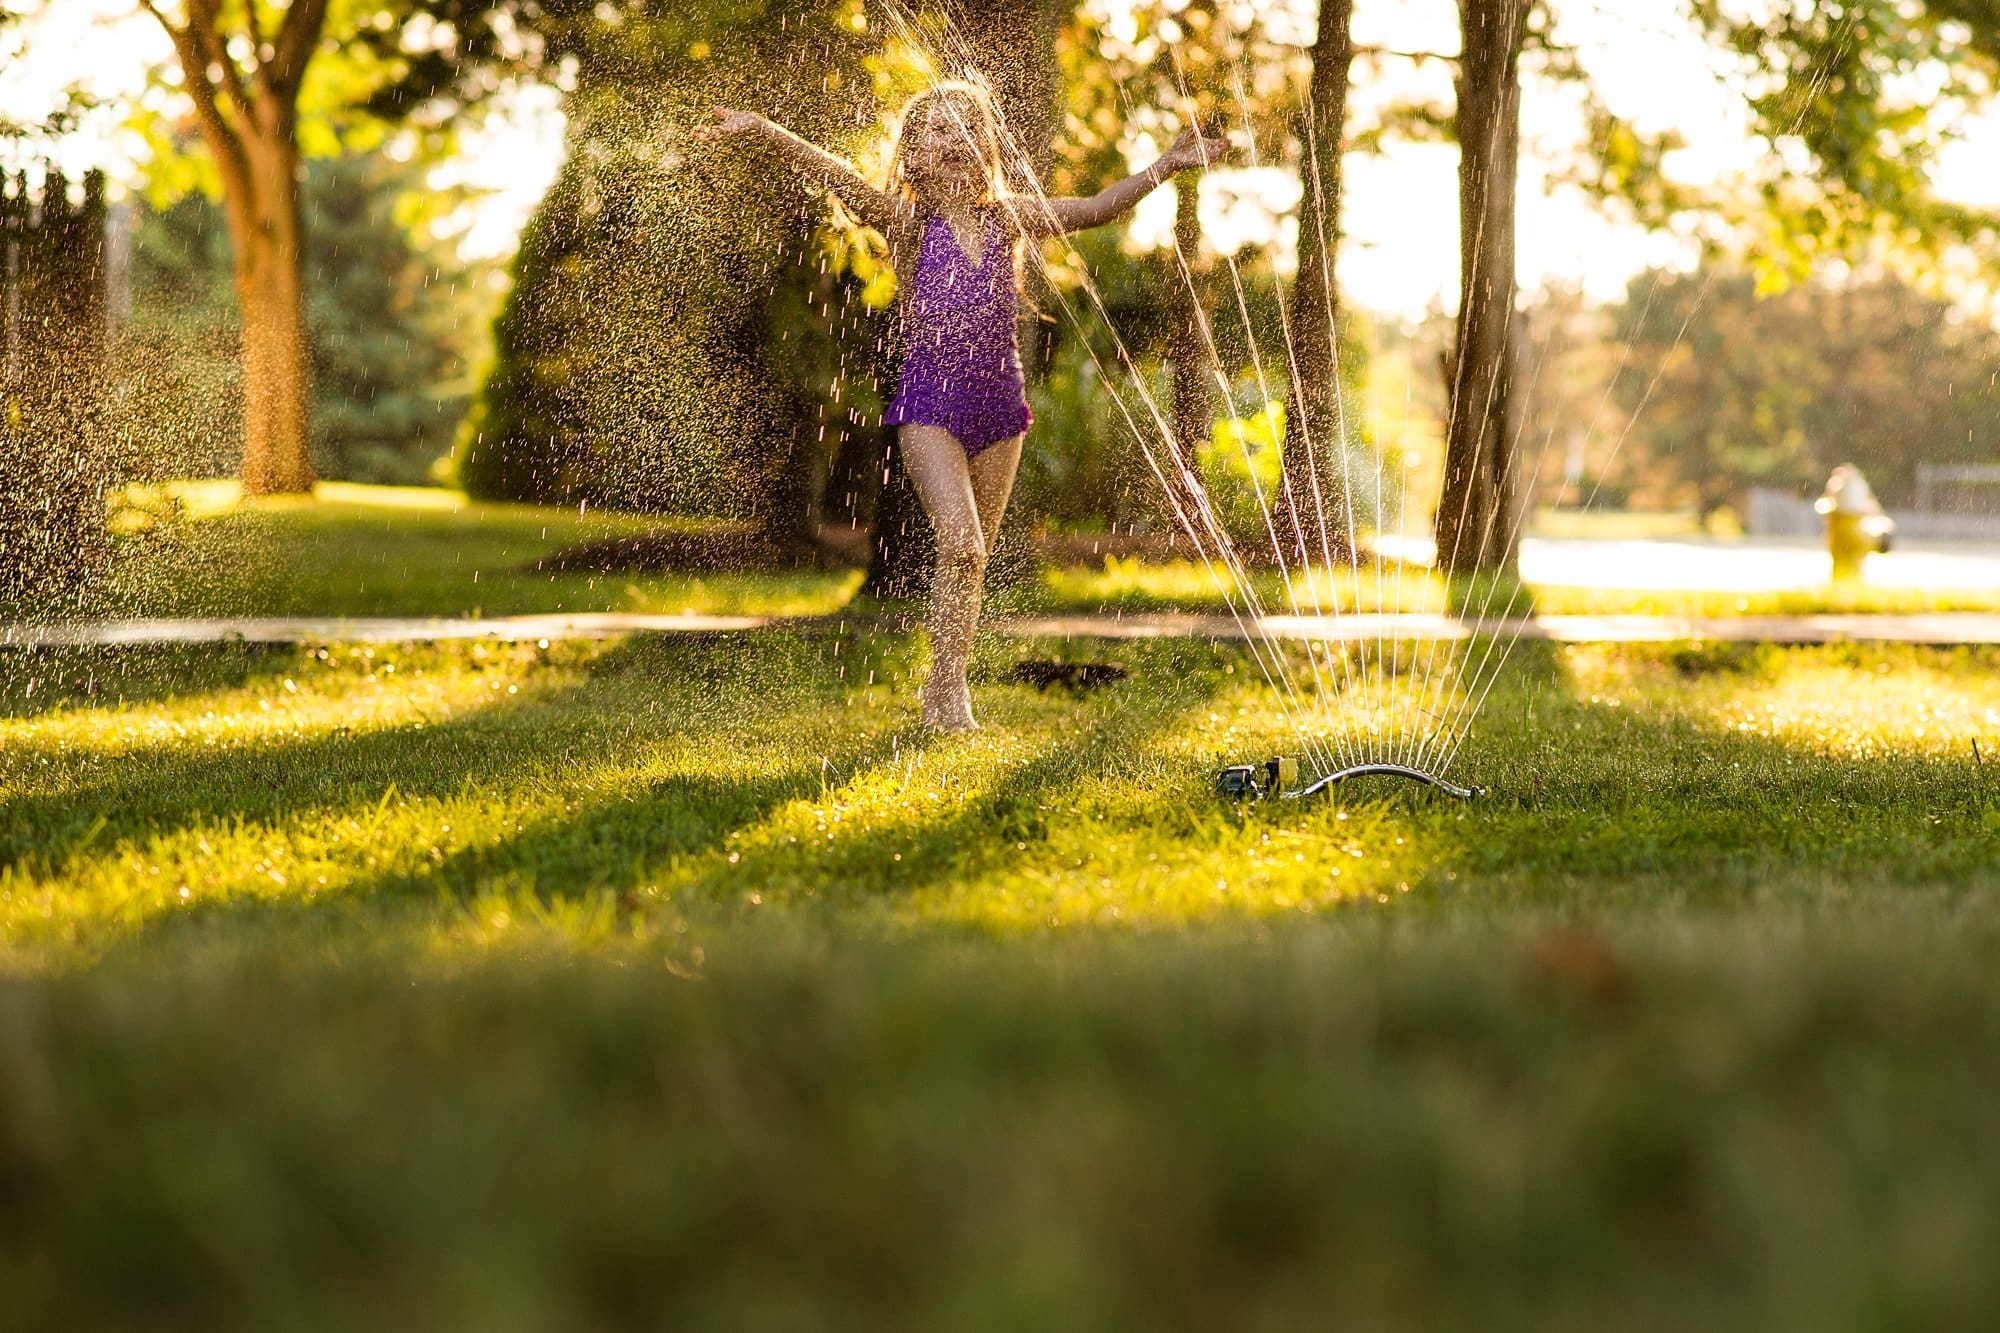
{"x":1276,"y":776}
{"x":1280,"y":777}
{"x":1238,"y":782}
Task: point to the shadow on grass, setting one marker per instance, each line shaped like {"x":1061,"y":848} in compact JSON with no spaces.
{"x":37,"y":681}
{"x":1596,"y":805}
{"x":601,"y":754}
{"x":163,"y":791}
{"x":636,"y":695}
{"x":1655,"y":794}
{"x":674,"y":827}
{"x":627,"y":837}
{"x":1009,"y":812}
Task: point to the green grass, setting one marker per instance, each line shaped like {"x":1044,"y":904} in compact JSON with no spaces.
{"x":695,"y":774}
{"x":407,"y":551}
{"x":681,"y":983}
{"x":1136,"y":587}
{"x":1828,"y":599}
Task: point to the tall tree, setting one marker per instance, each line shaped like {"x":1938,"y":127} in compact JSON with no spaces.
{"x":1475,"y":528}
{"x":1314,"y":411}
{"x":242,"y":67}
{"x":1145,"y":72}
{"x":1193,"y":388}
{"x":1477,"y":521}
{"x":177,"y":405}
{"x":1213,"y":62}
{"x":392,"y":321}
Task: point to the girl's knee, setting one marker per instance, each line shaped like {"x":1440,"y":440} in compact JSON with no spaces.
{"x":967,"y":556}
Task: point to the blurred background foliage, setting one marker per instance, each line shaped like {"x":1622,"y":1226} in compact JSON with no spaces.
{"x":1779,"y":390}
{"x":1698,"y":386}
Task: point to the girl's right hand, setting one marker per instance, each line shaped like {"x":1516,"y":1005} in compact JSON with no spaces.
{"x":729,"y":124}
{"x":1196,"y":149}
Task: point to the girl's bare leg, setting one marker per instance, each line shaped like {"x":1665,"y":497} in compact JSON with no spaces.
{"x":944,"y":482}
{"x":993,"y":483}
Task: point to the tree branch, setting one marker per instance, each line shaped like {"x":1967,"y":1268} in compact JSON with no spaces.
{"x":204,"y":22}
{"x":260,"y":68}
{"x":194,"y":72}
{"x":1381,"y":52}
{"x":294,"y":47}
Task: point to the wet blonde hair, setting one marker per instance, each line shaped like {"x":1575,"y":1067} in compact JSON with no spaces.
{"x":971,"y":107}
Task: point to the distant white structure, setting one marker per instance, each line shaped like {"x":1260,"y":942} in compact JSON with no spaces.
{"x":1938,"y":482}
{"x":1776,"y":513}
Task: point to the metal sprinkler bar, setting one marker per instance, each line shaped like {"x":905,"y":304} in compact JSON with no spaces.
{"x":1279,"y":777}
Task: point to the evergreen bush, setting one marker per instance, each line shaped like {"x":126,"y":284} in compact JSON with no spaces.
{"x":52,"y":335}
{"x":668,"y":342}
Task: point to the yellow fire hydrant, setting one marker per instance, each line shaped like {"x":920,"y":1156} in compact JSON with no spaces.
{"x":1856,"y":527}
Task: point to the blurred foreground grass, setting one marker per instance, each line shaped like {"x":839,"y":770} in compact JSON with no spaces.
{"x":679,"y":983}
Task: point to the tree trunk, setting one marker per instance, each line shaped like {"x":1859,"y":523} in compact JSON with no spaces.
{"x":1475,"y":519}
{"x":904,"y":545}
{"x":788,"y":512}
{"x":1188,"y":351}
{"x":854,"y":475}
{"x":1315,"y":481}
{"x":270,"y":290}
{"x":791,"y":457}
{"x":245,"y":90}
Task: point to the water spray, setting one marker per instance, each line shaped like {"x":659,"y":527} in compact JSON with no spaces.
{"x":1278,"y":777}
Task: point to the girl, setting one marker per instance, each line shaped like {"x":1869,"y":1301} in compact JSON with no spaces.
{"x":961,"y":407}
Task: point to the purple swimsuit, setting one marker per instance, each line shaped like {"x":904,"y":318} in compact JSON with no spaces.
{"x":961,"y":357}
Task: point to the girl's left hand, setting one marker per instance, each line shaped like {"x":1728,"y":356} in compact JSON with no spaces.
{"x":728,"y":125}
{"x":1193,"y":149}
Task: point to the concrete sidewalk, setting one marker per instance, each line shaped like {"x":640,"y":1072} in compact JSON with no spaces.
{"x":1945,"y":628}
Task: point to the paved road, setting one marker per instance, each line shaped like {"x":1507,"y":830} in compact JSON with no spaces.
{"x":1941,"y":628}
{"x":1758,"y":564}
{"x":1710,"y":564}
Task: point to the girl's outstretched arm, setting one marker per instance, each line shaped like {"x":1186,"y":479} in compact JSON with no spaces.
{"x":1052,"y":217}
{"x":875,"y":207}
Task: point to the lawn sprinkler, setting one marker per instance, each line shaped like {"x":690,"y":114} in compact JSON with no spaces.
{"x":1279,"y":777}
